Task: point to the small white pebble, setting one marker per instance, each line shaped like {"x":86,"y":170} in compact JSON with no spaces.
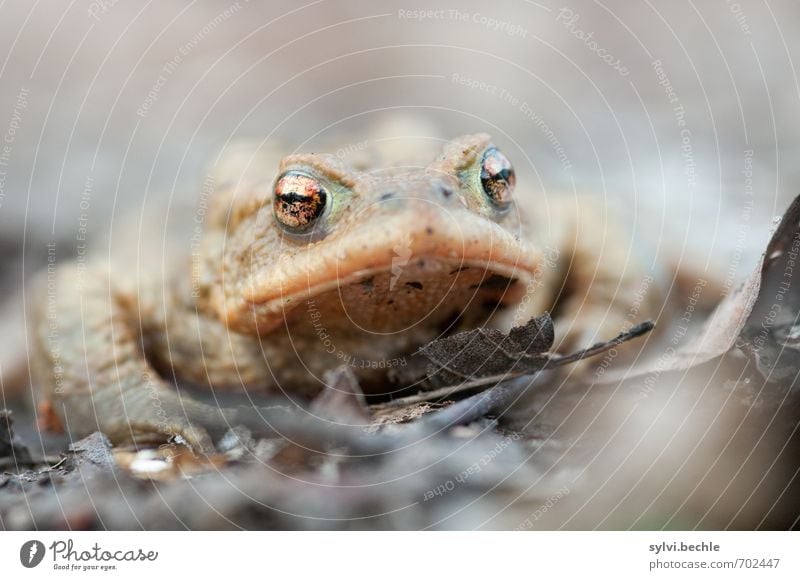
{"x":148,"y":466}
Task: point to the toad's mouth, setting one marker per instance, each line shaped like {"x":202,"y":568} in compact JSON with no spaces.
{"x":387,"y":282}
{"x":425,"y":291}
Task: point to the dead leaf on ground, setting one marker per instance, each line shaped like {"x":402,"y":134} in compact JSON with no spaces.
{"x":484,"y":357}
{"x":760,"y":316}
{"x":486,"y":352}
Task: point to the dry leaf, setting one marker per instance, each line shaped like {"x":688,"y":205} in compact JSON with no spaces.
{"x":481,"y":357}
{"x":760,"y":317}
{"x":487,"y":352}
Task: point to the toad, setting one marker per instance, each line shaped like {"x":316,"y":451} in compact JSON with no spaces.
{"x":307,"y":262}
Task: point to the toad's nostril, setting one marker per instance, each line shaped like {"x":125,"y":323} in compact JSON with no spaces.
{"x":445,"y":190}
{"x":386,"y":196}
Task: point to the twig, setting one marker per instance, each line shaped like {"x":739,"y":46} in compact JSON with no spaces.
{"x":489,"y":402}
{"x":16,"y":462}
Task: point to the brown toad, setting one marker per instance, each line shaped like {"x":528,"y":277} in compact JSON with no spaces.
{"x":306,"y":263}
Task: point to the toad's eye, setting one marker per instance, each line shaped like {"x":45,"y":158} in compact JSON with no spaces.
{"x":299,"y":200}
{"x":498,"y":178}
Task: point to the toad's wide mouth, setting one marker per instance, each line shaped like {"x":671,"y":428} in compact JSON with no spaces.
{"x":412,"y":263}
{"x":428,"y":289}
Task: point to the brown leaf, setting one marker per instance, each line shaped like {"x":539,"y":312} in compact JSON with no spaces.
{"x":487,"y":352}
{"x":482,"y":357}
{"x":760,"y":316}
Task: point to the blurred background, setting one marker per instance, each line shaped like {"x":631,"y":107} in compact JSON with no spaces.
{"x":135,"y":99}
{"x":681,"y":116}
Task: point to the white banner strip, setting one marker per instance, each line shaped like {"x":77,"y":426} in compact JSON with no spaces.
{"x":401,"y":555}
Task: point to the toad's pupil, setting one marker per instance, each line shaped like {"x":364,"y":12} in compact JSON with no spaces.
{"x":498,"y":178}
{"x":299,"y":200}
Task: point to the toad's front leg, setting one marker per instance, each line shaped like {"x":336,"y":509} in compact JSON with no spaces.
{"x":89,"y":362}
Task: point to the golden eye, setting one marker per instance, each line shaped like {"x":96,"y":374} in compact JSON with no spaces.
{"x":498,"y":178}
{"x":299,"y":200}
